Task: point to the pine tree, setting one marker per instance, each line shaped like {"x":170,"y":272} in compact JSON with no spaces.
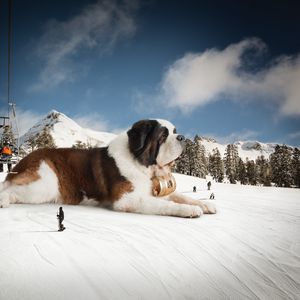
{"x":215,"y":165}
{"x":251,"y":172}
{"x":189,"y":158}
{"x":231,"y":162}
{"x":199,"y":159}
{"x":80,"y":145}
{"x":296,"y":167}
{"x":263,"y":171}
{"x":31,"y":142}
{"x":242,"y":175}
{"x":8,"y":135}
{"x":281,"y":164}
{"x":183,"y":165}
{"x":45,"y":139}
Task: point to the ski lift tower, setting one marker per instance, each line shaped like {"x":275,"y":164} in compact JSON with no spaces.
{"x":6,"y":122}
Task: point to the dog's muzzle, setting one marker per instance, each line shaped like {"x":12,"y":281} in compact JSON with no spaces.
{"x":182,"y":141}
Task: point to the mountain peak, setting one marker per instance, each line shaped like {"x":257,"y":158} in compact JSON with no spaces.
{"x":66,"y":132}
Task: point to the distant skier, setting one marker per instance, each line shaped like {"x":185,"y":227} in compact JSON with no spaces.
{"x":212,"y":196}
{"x":208,"y":185}
{"x":60,"y":218}
{"x":194,"y":189}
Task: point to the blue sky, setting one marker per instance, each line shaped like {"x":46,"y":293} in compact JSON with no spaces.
{"x":225,"y":69}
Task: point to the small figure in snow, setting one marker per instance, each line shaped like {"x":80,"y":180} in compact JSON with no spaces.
{"x":212,"y":196}
{"x":60,"y":218}
{"x":208,"y":185}
{"x":6,"y":155}
{"x":194,"y":189}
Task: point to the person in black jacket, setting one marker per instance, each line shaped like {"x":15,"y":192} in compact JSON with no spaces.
{"x":208,"y":185}
{"x":60,"y":217}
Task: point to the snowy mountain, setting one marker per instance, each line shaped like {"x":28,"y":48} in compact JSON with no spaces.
{"x":66,"y":132}
{"x":246,"y":149}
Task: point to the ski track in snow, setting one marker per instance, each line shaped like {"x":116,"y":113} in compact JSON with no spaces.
{"x":249,"y":250}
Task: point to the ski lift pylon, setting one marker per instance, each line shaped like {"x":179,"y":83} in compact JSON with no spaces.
{"x":3,"y":125}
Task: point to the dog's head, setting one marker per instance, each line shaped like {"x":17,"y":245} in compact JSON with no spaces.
{"x":155,"y":142}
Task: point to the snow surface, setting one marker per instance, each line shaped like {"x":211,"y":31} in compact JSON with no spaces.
{"x":249,"y":250}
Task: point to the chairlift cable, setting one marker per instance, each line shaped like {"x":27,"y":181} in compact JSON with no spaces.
{"x":9,"y":51}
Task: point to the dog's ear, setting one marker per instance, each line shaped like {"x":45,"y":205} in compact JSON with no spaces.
{"x":140,"y":138}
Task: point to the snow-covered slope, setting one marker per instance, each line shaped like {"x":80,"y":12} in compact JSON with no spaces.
{"x":248,"y":250}
{"x":67,"y":132}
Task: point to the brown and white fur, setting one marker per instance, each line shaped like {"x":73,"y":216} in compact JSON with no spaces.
{"x":118,"y":175}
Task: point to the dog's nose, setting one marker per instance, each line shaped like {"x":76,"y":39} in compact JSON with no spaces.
{"x":180,"y":138}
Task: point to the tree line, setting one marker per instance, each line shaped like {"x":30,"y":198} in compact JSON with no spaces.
{"x":42,"y":139}
{"x":282,"y":168}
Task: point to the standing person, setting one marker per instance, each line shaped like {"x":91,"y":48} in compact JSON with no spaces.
{"x":208,"y":185}
{"x":6,"y":155}
{"x":194,"y":189}
{"x":60,"y":217}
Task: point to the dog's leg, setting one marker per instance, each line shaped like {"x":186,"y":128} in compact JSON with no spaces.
{"x":4,"y":199}
{"x":207,"y":207}
{"x":156,"y":206}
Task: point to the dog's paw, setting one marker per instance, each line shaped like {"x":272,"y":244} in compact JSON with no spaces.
{"x":190,"y":211}
{"x":4,"y":200}
{"x":209,"y":208}
{"x":4,"y":203}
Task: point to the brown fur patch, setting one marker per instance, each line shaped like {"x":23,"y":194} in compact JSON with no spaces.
{"x":24,"y":173}
{"x":91,"y":173}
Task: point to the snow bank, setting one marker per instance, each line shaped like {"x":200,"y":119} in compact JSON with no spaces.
{"x":248,"y":250}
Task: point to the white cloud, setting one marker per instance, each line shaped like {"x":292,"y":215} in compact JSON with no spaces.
{"x":96,"y":122}
{"x":92,"y":121}
{"x":100,"y":26}
{"x":197,"y":79}
{"x":294,"y":136}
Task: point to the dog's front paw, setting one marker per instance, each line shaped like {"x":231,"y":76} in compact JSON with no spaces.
{"x":4,"y":200}
{"x":209,"y":208}
{"x":190,"y":211}
{"x":4,"y":203}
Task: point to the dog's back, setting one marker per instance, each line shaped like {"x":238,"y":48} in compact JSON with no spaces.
{"x":65,"y":175}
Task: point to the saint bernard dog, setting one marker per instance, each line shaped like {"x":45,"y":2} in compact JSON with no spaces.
{"x":132,"y":174}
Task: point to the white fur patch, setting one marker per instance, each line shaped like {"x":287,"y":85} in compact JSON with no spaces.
{"x":43,"y":190}
{"x":169,"y":150}
{"x":167,"y":124}
{"x":140,"y":200}
{"x":89,"y":202}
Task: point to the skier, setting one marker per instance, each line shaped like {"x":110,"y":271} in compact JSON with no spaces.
{"x":60,"y":218}
{"x":212,"y":196}
{"x":194,"y":189}
{"x":208,"y":185}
